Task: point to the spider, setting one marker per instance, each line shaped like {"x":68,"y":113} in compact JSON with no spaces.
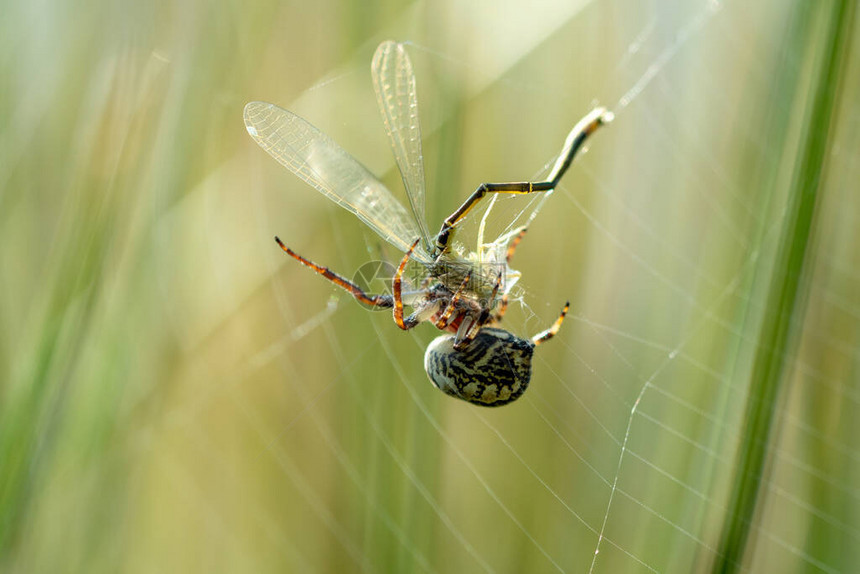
{"x":462,"y":294}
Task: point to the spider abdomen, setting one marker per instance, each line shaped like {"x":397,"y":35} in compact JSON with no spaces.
{"x":491,"y":370}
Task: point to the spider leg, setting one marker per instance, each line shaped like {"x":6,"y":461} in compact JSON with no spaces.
{"x":485,"y":312}
{"x":443,"y":320}
{"x":500,"y":313}
{"x":550,"y":333}
{"x":462,"y":336}
{"x":503,"y":304}
{"x":384,"y":301}
{"x":471,"y":325}
{"x":468,"y":330}
{"x":577,"y":136}
{"x":503,"y":307}
{"x":397,"y":288}
{"x":514,"y":244}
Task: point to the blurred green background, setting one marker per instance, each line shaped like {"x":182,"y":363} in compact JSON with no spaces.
{"x":178,"y":396}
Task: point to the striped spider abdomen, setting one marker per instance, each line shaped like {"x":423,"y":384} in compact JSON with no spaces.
{"x":491,"y":370}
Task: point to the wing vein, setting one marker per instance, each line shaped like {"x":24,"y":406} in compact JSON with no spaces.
{"x":319,"y":161}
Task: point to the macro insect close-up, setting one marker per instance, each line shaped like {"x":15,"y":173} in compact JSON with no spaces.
{"x":633,"y":226}
{"x":462,"y":292}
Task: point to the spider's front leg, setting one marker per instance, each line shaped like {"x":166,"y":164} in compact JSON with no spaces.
{"x":397,"y":287}
{"x":384,"y":301}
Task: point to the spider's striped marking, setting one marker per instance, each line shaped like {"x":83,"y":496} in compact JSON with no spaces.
{"x":491,"y":370}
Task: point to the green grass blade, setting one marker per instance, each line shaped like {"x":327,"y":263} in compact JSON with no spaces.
{"x":785,"y":296}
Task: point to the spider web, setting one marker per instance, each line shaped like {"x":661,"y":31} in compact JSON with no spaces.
{"x":622,"y":455}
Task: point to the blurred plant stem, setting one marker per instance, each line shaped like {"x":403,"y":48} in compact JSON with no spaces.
{"x":778,"y":335}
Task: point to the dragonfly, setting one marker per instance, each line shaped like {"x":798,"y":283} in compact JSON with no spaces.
{"x":463,"y":293}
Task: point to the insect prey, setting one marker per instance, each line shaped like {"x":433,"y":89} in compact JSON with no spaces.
{"x":464,"y":294}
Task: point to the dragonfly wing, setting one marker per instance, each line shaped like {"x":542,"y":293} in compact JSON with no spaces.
{"x":319,"y":161}
{"x":394,"y":82}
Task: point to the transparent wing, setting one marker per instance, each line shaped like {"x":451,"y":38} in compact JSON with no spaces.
{"x":394,"y":83}
{"x":319,"y":161}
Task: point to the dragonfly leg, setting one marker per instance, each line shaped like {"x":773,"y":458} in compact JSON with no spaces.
{"x":577,"y":136}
